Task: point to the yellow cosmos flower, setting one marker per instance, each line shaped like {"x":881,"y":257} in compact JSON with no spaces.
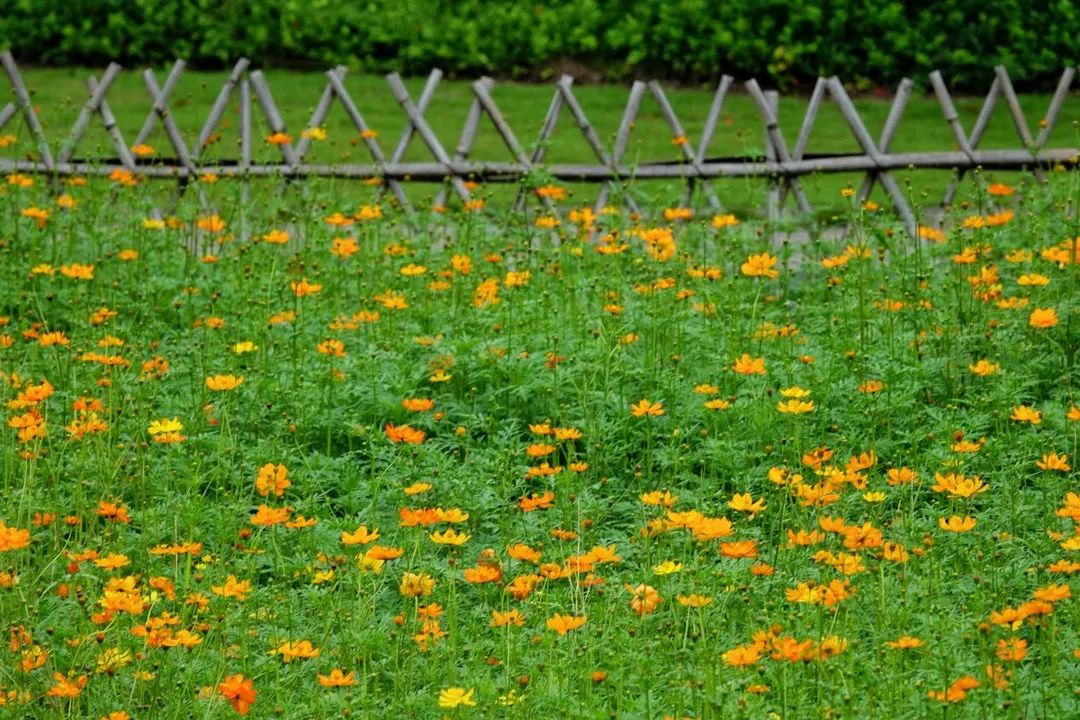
{"x":452,"y":697}
{"x":224,"y":383}
{"x":667,"y":567}
{"x":449,"y":537}
{"x":763,"y":265}
{"x":795,"y":407}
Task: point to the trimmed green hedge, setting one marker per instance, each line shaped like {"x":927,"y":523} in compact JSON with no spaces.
{"x":788,"y":41}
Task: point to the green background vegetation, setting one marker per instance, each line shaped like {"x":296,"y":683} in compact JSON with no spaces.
{"x":787,"y":42}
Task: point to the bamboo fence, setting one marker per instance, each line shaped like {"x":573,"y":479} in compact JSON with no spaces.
{"x":781,"y":165}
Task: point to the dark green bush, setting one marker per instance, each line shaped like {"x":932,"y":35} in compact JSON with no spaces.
{"x":787,"y":41}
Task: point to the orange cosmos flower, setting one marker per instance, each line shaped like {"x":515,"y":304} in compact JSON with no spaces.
{"x":539,"y":450}
{"x":344,"y":247}
{"x":563,"y":624}
{"x":678,"y":213}
{"x":533,"y":502}
{"x":795,"y":407}
{"x":983,"y":368}
{"x":957,"y":524}
{"x":523,"y":553}
{"x":482,"y":574}
{"x":337,"y":678}
{"x":239,"y":691}
{"x":1071,"y":507}
{"x":871,"y":386}
{"x":77,"y":271}
{"x":959,"y":485}
{"x":486,"y":293}
{"x":646,"y":407}
{"x":1012,"y":649}
{"x":404,"y":433}
{"x":266,"y":516}
{"x":1043,"y":318}
{"x":331,"y":347}
{"x":693,"y":600}
{"x":763,"y":265}
{"x":298,"y":650}
{"x":50,"y":339}
{"x":32,"y":395}
{"x":272,"y":479}
{"x":41,"y":216}
{"x":955,"y":692}
{"x":194,"y":548}
{"x":523,"y":585}
{"x":567,"y":433}
{"x":742,"y":655}
{"x":931,"y":234}
{"x":901,"y":476}
{"x":12,"y":538}
{"x":210,"y":223}
{"x":1052,"y":593}
{"x":510,"y":618}
{"x":1023,"y":413}
{"x":370,"y":212}
{"x":905,"y":642}
{"x":554,"y":192}
{"x":739,"y":549}
{"x":379,"y":552}
{"x":419,"y":517}
{"x":645,"y":598}
{"x":704,"y":529}
{"x":112,"y":511}
{"x":416,"y":585}
{"x":112,"y":561}
{"x":1053,"y":461}
{"x":830,"y":594}
{"x":1032,"y":280}
{"x":339,"y":220}
{"x":746,"y":365}
{"x":303,"y":288}
{"x":659,"y":497}
{"x":361,"y":536}
{"x":66,"y":687}
{"x":745,"y":503}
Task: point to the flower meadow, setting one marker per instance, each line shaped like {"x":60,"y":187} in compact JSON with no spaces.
{"x":308,"y":457}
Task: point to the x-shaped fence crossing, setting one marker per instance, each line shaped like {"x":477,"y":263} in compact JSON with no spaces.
{"x":779,"y":165}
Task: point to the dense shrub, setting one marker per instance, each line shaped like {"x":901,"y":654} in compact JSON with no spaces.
{"x":789,"y":41}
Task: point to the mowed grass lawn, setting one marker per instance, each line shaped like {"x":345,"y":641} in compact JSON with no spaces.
{"x":60,"y":93}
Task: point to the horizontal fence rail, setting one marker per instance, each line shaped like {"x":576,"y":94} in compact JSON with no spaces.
{"x":782,"y":165}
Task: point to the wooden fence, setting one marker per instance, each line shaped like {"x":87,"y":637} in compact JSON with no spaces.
{"x":782,"y":164}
